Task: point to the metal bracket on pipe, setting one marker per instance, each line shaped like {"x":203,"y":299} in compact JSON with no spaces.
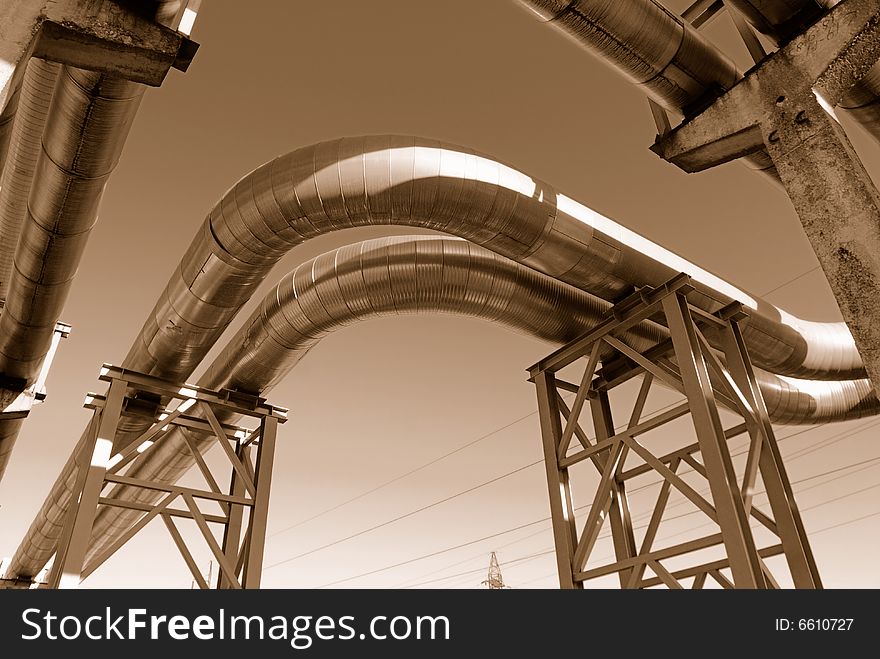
{"x":16,"y":403}
{"x":20,"y":584}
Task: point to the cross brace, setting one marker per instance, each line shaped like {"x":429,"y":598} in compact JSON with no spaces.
{"x":689,"y":365}
{"x":192,"y":417}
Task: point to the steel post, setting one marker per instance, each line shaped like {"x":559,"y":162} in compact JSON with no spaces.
{"x":83,"y":515}
{"x":738,"y":540}
{"x":558,"y":487}
{"x":253,"y":564}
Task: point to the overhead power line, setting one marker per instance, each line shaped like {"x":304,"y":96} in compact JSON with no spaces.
{"x":791,"y":281}
{"x":404,"y":516}
{"x":843,"y":435}
{"x":835,"y":438}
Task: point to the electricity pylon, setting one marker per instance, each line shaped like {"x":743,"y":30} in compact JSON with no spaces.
{"x":494,"y":580}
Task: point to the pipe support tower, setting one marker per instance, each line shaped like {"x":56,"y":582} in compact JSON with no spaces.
{"x":622,"y":455}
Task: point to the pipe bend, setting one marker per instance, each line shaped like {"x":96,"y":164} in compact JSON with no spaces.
{"x":425,"y":274}
{"x":412,"y":181}
{"x":423,"y":183}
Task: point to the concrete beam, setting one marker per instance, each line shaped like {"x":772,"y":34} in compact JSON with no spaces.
{"x":830,"y":57}
{"x":775,"y":106}
{"x":99,"y":35}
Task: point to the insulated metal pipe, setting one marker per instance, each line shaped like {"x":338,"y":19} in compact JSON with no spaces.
{"x":420,"y":274}
{"x":417,"y":275}
{"x":24,"y":150}
{"x":424,"y":183}
{"x":652,"y":47}
{"x":87,"y":124}
{"x":90,"y":121}
{"x":7,"y":119}
{"x":85,"y":130}
{"x":32,"y":106}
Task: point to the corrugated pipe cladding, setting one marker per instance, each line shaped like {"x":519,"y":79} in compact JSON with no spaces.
{"x":410,"y":181}
{"x":423,"y":275}
{"x":669,"y":60}
{"x":424,"y":183}
{"x":59,"y":143}
{"x":678,"y":67}
{"x":67,"y":138}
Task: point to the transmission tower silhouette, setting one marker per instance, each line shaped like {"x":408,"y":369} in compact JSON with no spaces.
{"x":494,"y":580}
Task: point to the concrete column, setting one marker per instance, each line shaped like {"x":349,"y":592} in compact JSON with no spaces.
{"x":776,"y":107}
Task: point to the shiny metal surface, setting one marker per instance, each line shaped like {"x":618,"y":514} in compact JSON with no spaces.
{"x":24,"y":150}
{"x":657,"y":50}
{"x":51,"y":203}
{"x":415,"y":182}
{"x":779,"y":19}
{"x":418,"y":274}
{"x":7,"y":119}
{"x":31,"y":105}
{"x":406,"y":275}
{"x":85,"y":128}
{"x":425,"y":183}
{"x":652,"y":47}
{"x":9,"y":429}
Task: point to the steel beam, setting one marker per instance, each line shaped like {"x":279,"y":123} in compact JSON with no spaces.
{"x":790,"y":527}
{"x":621,"y":521}
{"x":559,"y":490}
{"x":70,"y":567}
{"x":253,"y":564}
{"x":732,"y":519}
{"x":730,"y":500}
{"x":240,"y":561}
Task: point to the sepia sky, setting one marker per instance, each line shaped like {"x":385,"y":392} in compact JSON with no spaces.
{"x":376,"y":401}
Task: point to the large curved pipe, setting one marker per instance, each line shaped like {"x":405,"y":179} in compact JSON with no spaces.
{"x":406,"y":275}
{"x":410,"y":181}
{"x":420,"y":274}
{"x":424,"y":183}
